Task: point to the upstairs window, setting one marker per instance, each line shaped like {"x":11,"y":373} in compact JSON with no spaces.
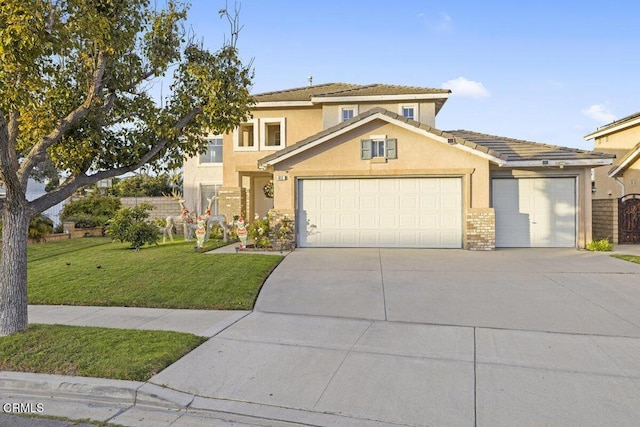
{"x":272,"y":133}
{"x":408,"y":112}
{"x":379,"y":147}
{"x":348,"y":112}
{"x":245,"y":136}
{"x":214,"y":151}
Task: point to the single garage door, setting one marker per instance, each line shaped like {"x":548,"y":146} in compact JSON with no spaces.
{"x":535,"y":212}
{"x":380,"y":212}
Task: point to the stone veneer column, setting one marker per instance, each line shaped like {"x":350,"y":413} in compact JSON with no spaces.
{"x":275,"y":219}
{"x":481,"y":229}
{"x":232,"y":201}
{"x":604,"y":219}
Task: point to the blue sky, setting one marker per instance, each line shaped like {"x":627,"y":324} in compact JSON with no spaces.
{"x":545,"y":71}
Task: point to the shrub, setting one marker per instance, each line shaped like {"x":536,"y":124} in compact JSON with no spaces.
{"x":259,"y":231}
{"x":130,"y":225}
{"x":93,"y":211}
{"x":40,"y":227}
{"x":602,"y":245}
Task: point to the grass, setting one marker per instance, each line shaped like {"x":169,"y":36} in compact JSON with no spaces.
{"x":94,"y":352}
{"x":94,"y":271}
{"x":630,"y":258}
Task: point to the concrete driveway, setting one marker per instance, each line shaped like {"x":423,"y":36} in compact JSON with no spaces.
{"x":551,"y":290}
{"x":430,"y":337}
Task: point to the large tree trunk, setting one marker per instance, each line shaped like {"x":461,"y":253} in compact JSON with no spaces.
{"x":13,"y":269}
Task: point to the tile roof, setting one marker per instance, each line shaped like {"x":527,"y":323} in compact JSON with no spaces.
{"x":501,"y":148}
{"x":302,"y":93}
{"x":345,"y":89}
{"x":382,"y":89}
{"x":511,"y":150}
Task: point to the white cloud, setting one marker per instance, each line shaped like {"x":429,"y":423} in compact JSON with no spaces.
{"x":444,"y":24}
{"x":465,"y":87}
{"x":439,"y":23}
{"x":599,"y":113}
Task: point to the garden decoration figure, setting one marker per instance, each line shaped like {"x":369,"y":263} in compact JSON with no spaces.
{"x":241,"y":230}
{"x":187,"y":224}
{"x":212,"y":219}
{"x":201,"y":231}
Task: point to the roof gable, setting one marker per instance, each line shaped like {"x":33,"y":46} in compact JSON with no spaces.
{"x":504,"y":152}
{"x":628,"y":159}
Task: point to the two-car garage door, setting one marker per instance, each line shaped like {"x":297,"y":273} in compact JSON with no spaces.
{"x":380,"y":212}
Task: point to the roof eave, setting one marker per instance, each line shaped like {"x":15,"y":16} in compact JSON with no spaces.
{"x":560,"y":163}
{"x":611,"y":129}
{"x":364,"y":98}
{"x":268,"y":104}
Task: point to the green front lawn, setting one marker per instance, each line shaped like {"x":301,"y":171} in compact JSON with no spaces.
{"x":94,"y":352}
{"x":95,"y":271}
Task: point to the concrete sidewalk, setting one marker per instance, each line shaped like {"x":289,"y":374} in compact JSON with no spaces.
{"x":204,"y":323}
{"x":372,"y":337}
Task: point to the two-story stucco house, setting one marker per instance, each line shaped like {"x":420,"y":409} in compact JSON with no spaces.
{"x":366,"y":166}
{"x":617,"y":189}
{"x":622,"y":138}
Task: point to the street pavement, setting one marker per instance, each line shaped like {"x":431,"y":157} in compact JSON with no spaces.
{"x":373,"y":337}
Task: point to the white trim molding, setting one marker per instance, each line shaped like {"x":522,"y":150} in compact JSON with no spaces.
{"x":236,"y":136}
{"x":264,"y":122}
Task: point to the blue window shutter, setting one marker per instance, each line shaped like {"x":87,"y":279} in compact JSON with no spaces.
{"x":365,"y":149}
{"x":392,"y":148}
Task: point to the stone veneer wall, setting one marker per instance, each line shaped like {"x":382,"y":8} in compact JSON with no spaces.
{"x":481,"y":229}
{"x":605,"y":219}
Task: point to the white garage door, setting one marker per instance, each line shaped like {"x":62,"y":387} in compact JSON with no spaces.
{"x":535,"y":212}
{"x":380,"y":212}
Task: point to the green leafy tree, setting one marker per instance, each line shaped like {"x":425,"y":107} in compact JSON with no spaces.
{"x":131,"y":225}
{"x":75,"y":77}
{"x":143,"y":185}
{"x":93,"y":211}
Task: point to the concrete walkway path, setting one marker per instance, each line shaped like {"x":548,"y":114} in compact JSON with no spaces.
{"x":373,"y":337}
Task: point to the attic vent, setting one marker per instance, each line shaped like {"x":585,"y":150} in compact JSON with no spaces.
{"x":451,"y":141}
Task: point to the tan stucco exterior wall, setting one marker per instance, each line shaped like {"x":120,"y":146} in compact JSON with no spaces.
{"x":195,"y":175}
{"x":417,"y":156}
{"x":332,"y":113}
{"x":618,"y":143}
{"x":299,"y":124}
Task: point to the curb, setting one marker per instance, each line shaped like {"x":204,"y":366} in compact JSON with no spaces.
{"x":95,"y":389}
{"x":140,"y":395}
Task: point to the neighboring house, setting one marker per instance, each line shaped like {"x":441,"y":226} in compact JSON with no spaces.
{"x":365,"y":166}
{"x":617,"y":189}
{"x":36,"y":189}
{"x":621,"y":138}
